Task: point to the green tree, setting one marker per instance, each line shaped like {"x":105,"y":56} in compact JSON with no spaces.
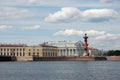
{"x":113,"y":53}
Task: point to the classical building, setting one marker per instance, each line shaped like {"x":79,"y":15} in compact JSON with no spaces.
{"x":69,"y":48}
{"x":24,"y":50}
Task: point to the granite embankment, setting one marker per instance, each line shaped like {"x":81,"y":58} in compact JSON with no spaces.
{"x":27,"y":58}
{"x":75,"y":58}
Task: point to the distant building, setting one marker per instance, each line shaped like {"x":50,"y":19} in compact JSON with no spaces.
{"x":24,"y":50}
{"x":93,"y":52}
{"x":69,"y":48}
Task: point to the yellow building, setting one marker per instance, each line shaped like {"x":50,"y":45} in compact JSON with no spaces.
{"x":33,"y":51}
{"x":12,"y":49}
{"x":24,"y":50}
{"x":49,"y":51}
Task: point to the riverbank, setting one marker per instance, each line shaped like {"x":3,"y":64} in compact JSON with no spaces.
{"x":82,"y":58}
{"x":75,"y":58}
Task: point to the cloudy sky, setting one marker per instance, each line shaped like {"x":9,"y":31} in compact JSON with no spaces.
{"x":36,"y":21}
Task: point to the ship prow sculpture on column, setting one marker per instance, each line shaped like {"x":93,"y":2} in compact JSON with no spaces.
{"x":85,"y":45}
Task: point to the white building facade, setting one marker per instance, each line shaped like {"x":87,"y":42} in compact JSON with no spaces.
{"x":69,"y":48}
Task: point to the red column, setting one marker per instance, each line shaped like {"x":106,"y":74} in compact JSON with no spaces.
{"x":85,"y":46}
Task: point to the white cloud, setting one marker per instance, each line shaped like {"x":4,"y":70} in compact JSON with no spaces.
{"x":10,"y":12}
{"x":109,"y":1}
{"x":5,"y":27}
{"x":68,"y":14}
{"x":32,"y":1}
{"x":65,"y":15}
{"x":98,"y":39}
{"x":106,"y":1}
{"x":40,"y":2}
{"x":71,"y":32}
{"x":99,"y":15}
{"x":53,"y":3}
{"x":31,"y":27}
{"x":26,"y":1}
{"x":108,"y":36}
{"x":98,"y":35}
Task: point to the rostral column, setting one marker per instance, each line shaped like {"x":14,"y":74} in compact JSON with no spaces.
{"x":85,"y":46}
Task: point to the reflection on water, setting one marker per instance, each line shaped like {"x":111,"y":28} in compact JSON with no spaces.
{"x":60,"y":70}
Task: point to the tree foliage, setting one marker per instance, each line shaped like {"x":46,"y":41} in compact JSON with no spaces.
{"x":113,"y":53}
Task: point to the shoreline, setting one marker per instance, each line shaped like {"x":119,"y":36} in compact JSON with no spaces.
{"x":81,"y":58}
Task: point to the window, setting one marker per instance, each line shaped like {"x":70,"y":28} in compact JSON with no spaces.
{"x":11,"y":54}
{"x":33,"y":54}
{"x":23,"y":54}
{"x":43,"y":54}
{"x":20,"y":54}
{"x":17,"y":54}
{"x":74,"y":50}
{"x":29,"y":54}
{"x":67,"y":50}
{"x":61,"y":51}
{"x":7,"y":54}
{"x":37,"y":54}
{"x":64,"y":50}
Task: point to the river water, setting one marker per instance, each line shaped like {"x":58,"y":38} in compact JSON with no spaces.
{"x":60,"y":70}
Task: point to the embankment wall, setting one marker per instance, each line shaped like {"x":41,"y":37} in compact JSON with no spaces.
{"x":67,"y":58}
{"x":113,"y":57}
{"x":28,"y":58}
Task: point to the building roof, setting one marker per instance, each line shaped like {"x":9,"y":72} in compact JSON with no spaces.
{"x":46,"y":45}
{"x":13,"y":45}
